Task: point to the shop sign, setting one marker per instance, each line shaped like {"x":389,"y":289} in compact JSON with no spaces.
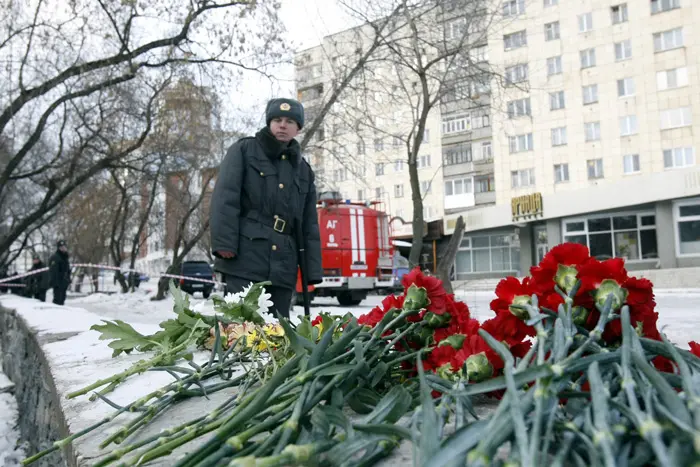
{"x":526,"y":206}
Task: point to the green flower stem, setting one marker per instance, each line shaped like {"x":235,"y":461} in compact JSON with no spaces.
{"x":291,"y":426}
{"x":603,"y":436}
{"x":255,"y":403}
{"x":393,"y":342}
{"x":136,"y":368}
{"x":291,"y":455}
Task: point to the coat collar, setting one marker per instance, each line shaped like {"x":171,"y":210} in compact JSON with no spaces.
{"x":274,"y":148}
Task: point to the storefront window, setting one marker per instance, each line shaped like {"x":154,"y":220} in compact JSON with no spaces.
{"x":629,"y":236}
{"x":688,"y":226}
{"x":488,"y":253}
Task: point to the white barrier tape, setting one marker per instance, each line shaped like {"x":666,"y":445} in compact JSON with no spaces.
{"x":105,"y":266}
{"x":173,"y":276}
{"x":26,"y":274}
{"x":11,"y":285}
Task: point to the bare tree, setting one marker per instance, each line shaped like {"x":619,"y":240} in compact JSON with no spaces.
{"x":79,"y":82}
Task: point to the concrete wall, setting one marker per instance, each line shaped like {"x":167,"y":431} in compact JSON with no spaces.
{"x":41,"y":419}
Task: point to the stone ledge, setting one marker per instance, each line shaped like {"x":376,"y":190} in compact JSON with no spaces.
{"x":41,"y":418}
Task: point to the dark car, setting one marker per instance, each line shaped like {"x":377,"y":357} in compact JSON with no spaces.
{"x":197,"y":270}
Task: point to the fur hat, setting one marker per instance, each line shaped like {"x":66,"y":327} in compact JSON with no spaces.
{"x":289,"y":108}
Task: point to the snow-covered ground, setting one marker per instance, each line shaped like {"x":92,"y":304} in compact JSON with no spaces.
{"x":11,"y":453}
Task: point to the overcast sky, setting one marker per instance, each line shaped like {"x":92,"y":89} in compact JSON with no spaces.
{"x":307,"y":22}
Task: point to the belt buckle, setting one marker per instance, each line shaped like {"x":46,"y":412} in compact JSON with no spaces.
{"x":282,"y":223}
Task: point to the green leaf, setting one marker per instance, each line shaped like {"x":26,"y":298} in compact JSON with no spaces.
{"x":457,"y":445}
{"x":391,"y":407}
{"x":430,"y":431}
{"x":124,"y":337}
{"x":299,"y":343}
{"x":384,"y":429}
{"x":378,"y":373}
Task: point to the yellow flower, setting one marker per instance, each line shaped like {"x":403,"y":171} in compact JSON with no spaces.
{"x":274,"y":330}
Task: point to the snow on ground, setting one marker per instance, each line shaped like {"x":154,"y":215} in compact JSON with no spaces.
{"x":11,"y":452}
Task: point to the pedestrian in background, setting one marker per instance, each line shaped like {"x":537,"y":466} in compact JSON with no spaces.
{"x":59,"y":273}
{"x":265,"y":188}
{"x":37,"y":283}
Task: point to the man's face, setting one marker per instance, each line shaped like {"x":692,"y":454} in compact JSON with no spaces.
{"x":284,"y":129}
{"x":63,"y":248}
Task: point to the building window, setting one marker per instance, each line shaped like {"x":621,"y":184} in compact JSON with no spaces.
{"x":628,"y":125}
{"x":520,"y":143}
{"x":659,"y":6}
{"x":360,"y":195}
{"x":455,"y":29}
{"x":585,"y":22}
{"x":561,"y":173}
{"x":426,"y":136}
{"x":677,"y":158}
{"x":516,"y":73}
{"x":515,"y":40}
{"x":556,"y":100}
{"x":398,"y":191}
{"x":460,"y":154}
{"x":625,"y":87}
{"x":630,"y":235}
{"x":595,"y":168}
{"x":592,"y":131}
{"x":423,"y":161}
{"x":379,"y":168}
{"x":623,"y":50}
{"x":667,"y":40}
{"x":587,"y":58}
{"x":519,"y":108}
{"x":488,"y":253}
{"x":456,"y":124}
{"x":361,"y":147}
{"x":676,"y":118}
{"x":378,"y":144}
{"x":459,"y":186}
{"x":619,"y":13}
{"x":630,"y":163}
{"x":559,"y":137}
{"x":484,"y":184}
{"x":550,"y":3}
{"x":671,"y":79}
{"x":479,"y":54}
{"x":513,"y":7}
{"x":687,"y":219}
{"x":340,"y":175}
{"x":590,"y":94}
{"x":554,"y":66}
{"x":522,"y":178}
{"x":398,"y":165}
{"x":378,"y":192}
{"x":396,"y":141}
{"x":486,"y":153}
{"x":551,"y":31}
{"x":425,"y":187}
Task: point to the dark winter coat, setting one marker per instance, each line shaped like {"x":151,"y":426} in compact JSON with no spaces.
{"x":261,"y":178}
{"x":39,"y":281}
{"x":59,"y":270}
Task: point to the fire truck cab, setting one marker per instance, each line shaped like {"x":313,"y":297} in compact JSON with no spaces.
{"x":357,"y":256}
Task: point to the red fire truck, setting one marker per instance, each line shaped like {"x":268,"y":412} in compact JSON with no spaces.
{"x":357,"y":256}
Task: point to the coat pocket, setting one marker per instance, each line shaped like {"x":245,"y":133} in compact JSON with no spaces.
{"x":253,"y":261}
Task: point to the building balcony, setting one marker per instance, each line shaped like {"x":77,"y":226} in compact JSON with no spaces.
{"x":486,"y":197}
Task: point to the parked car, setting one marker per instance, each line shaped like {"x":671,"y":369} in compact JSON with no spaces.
{"x":197,"y":270}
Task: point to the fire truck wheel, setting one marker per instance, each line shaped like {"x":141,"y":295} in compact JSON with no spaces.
{"x":345,"y":299}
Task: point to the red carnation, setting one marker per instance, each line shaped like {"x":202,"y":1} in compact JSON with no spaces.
{"x":439,"y":356}
{"x":559,"y":266}
{"x":389,"y":303}
{"x":432,"y":285}
{"x":694,"y":348}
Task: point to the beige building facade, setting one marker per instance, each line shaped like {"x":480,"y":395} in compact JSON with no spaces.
{"x":593,"y":139}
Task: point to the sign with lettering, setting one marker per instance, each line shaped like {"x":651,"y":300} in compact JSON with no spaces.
{"x":526,"y":206}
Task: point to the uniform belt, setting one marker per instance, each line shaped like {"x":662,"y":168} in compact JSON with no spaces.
{"x":277,"y":223}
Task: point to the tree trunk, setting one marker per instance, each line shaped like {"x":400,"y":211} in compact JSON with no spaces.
{"x":95,"y":280}
{"x":163,"y":283}
{"x":79,"y":282}
{"x":418,"y":224}
{"x":449,"y":255}
{"x":122,"y":281}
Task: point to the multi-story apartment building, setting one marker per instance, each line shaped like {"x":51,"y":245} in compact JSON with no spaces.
{"x":592,"y":139}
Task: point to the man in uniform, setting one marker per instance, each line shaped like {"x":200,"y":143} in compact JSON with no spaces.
{"x":59,"y":273}
{"x":37,"y":283}
{"x":264,"y":189}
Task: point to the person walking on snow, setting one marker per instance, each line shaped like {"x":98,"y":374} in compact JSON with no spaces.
{"x":37,"y":283}
{"x":263,"y":188}
{"x":59,"y":273}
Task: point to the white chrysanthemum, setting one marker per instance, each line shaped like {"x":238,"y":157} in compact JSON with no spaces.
{"x":264,"y":302}
{"x":232,"y":298}
{"x":244,"y":292}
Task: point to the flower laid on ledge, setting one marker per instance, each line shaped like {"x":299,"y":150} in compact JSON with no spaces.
{"x":573,"y":353}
